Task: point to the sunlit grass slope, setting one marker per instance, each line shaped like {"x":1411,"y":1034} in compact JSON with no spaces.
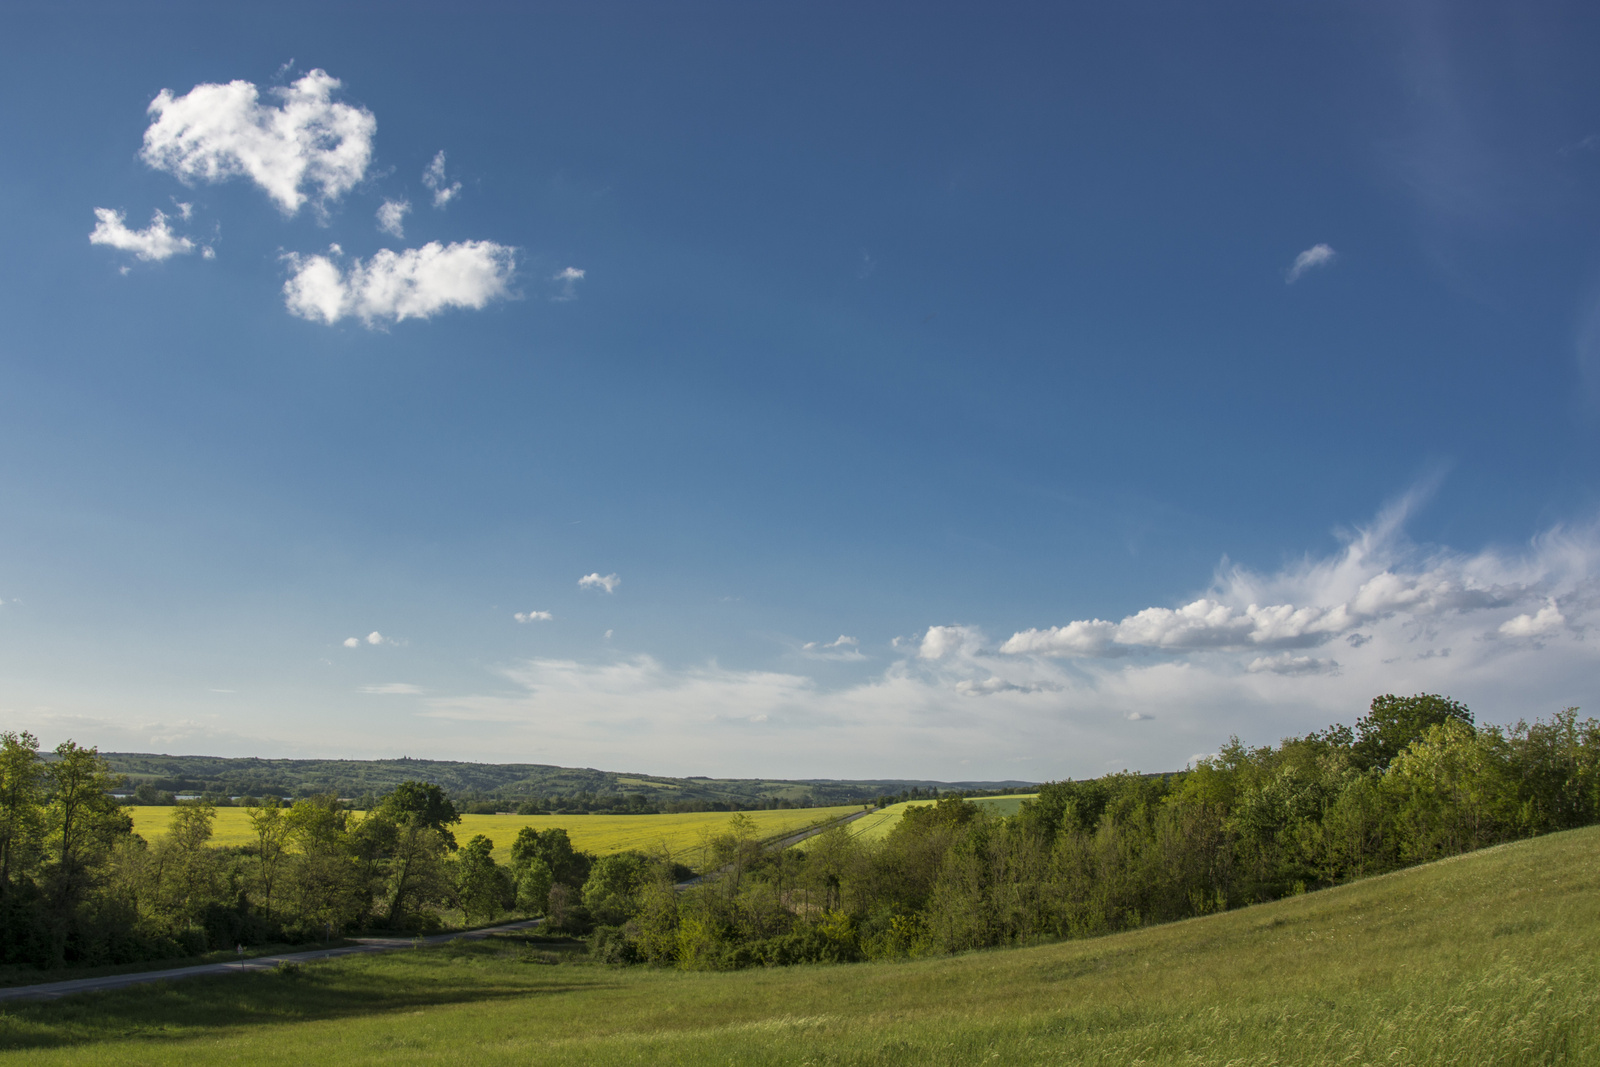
{"x":601,"y":834}
{"x":1486,"y":959}
{"x":876,"y":827}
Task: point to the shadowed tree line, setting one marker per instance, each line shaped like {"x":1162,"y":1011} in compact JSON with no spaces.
{"x":1414,"y":780}
{"x":79,"y":887}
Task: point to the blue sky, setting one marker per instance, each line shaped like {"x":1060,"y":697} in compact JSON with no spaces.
{"x":929,"y":391}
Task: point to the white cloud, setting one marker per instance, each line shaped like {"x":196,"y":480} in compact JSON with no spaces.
{"x":607,"y":582}
{"x":842,"y":648}
{"x":305,"y":147}
{"x":155,"y":242}
{"x":394,"y":286}
{"x":1289,"y":663}
{"x":392,"y":689}
{"x":392,"y":215}
{"x":942,"y":641}
{"x":569,"y":279}
{"x":352,"y":642}
{"x":533,"y":616}
{"x":1548,"y":619}
{"x":1318,"y":255}
{"x":434,"y":179}
{"x":1367,"y":583}
{"x":375,"y":638}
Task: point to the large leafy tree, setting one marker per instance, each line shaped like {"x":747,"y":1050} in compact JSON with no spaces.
{"x":1392,"y":723}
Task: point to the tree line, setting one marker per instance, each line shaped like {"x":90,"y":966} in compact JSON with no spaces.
{"x":1415,"y":779}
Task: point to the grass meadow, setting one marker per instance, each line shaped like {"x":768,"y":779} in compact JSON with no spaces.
{"x":1491,"y":958}
{"x":683,"y":834}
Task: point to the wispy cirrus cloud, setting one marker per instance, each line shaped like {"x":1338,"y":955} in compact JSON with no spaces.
{"x":307,"y":147}
{"x":843,"y":648}
{"x":391,"y":287}
{"x":568,"y":280}
{"x":392,"y":689}
{"x":442,"y":188}
{"x":1318,"y":255}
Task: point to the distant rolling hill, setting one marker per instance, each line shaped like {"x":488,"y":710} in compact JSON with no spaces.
{"x":505,"y":786}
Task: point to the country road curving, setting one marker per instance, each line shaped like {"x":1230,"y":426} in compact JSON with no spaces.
{"x":363,"y":945}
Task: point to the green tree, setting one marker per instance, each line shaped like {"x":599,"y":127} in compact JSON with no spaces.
{"x":1394,"y":722}
{"x":612,"y":885}
{"x":272,"y":829}
{"x":410,"y":831}
{"x":483,"y":888}
{"x":22,"y":824}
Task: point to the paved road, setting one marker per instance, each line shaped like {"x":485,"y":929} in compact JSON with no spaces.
{"x":364,"y":945}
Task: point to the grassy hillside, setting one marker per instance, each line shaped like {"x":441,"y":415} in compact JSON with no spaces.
{"x":1492,"y":958}
{"x":681,"y":834}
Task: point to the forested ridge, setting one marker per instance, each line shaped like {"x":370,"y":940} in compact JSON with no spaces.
{"x":524,"y":788}
{"x":1415,"y":779}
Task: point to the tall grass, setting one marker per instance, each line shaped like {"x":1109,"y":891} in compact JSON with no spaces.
{"x":1491,"y":958}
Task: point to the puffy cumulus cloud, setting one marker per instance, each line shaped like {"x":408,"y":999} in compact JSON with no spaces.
{"x":1376,"y":578}
{"x":942,"y":642}
{"x":392,"y":217}
{"x":307,"y":146}
{"x":374,"y":638}
{"x":533,"y":616}
{"x":605,"y":582}
{"x":442,"y":188}
{"x":392,"y":689}
{"x":352,"y":642}
{"x":1318,"y":255}
{"x":417,"y":283}
{"x":155,"y":242}
{"x":567,"y":280}
{"x":1546,"y":620}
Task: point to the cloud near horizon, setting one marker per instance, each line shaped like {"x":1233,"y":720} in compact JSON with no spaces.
{"x":307,"y":148}
{"x":391,"y":287}
{"x":1513,"y":634}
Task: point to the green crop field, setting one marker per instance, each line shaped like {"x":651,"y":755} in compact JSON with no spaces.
{"x":1491,"y":958}
{"x":876,"y":827}
{"x":601,"y":834}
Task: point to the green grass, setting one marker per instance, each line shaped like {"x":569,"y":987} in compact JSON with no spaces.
{"x":681,"y":834}
{"x":1486,"y":959}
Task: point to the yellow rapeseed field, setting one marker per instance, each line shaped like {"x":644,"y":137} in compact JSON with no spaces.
{"x":681,"y":834}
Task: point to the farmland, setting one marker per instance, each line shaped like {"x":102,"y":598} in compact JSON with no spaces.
{"x":680,"y":834}
{"x":1488,"y":958}
{"x":876,"y":827}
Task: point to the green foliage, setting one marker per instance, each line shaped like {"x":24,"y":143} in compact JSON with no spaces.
{"x":1394,"y":722}
{"x":483,"y":888}
{"x":1479,"y":963}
